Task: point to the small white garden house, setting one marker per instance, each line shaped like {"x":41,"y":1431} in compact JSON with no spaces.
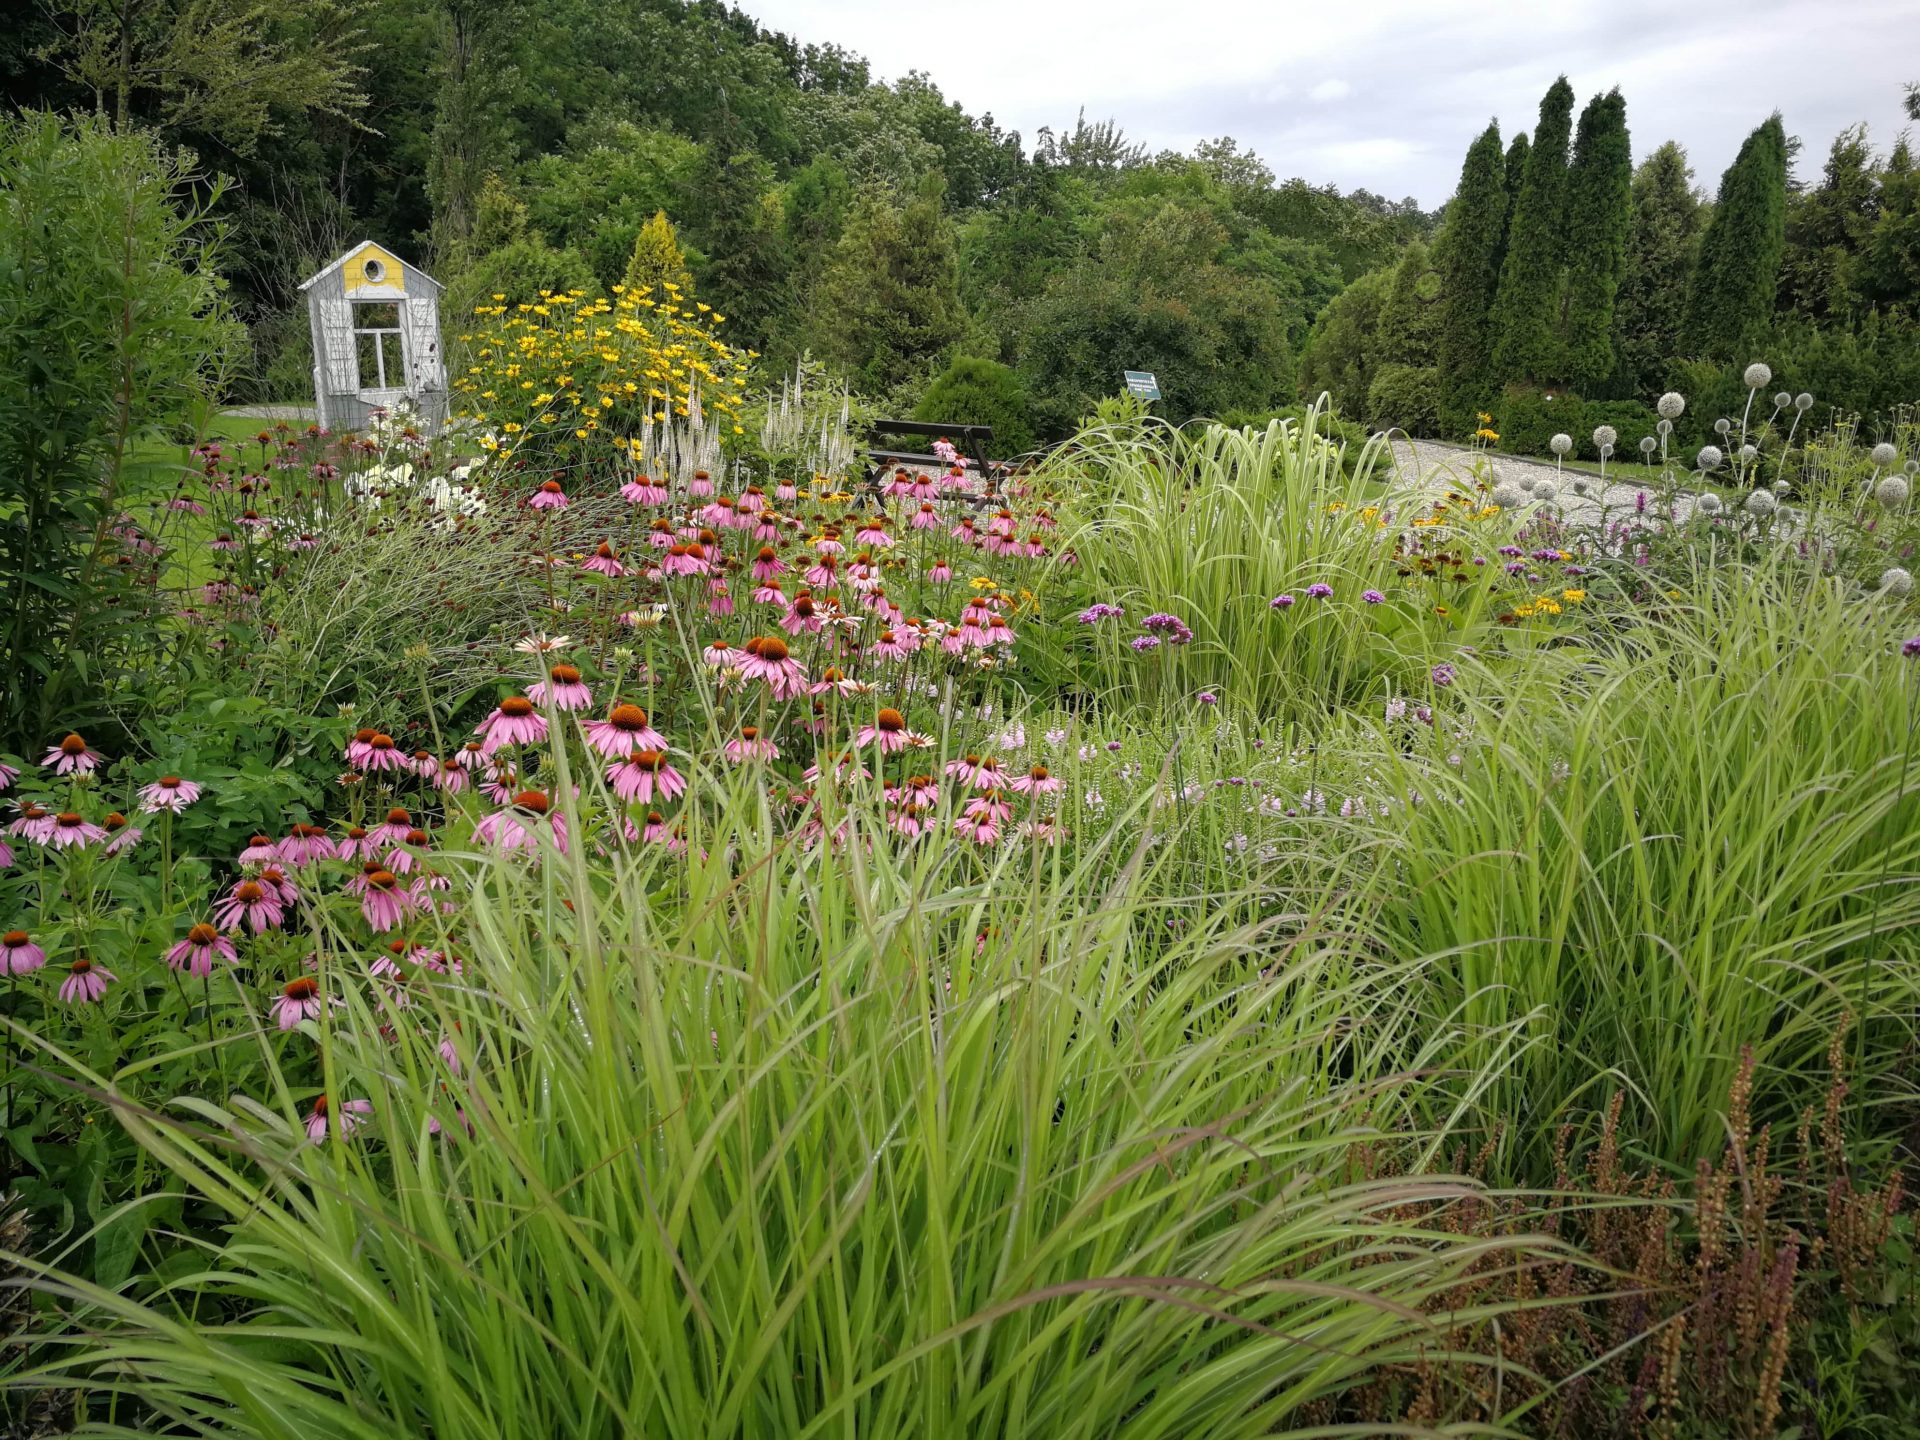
{"x":376,"y":339}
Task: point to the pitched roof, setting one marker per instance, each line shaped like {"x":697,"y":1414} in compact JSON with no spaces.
{"x":347,"y":255}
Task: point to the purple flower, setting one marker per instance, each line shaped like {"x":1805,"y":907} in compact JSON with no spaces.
{"x":1911,"y":649}
{"x":1207,"y":697}
{"x":1145,"y":642}
{"x":1443,"y":674}
{"x":1100,"y":610}
{"x":1176,"y":628}
{"x":1319,"y":590}
{"x":1280,"y":602}
{"x":1373,"y":597}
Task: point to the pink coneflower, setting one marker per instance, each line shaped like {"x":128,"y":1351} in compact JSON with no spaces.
{"x":190,"y":507}
{"x":404,"y":856}
{"x":278,"y":885}
{"x":169,"y":792}
{"x":304,"y":845}
{"x":751,"y":745}
{"x":299,"y":1000}
{"x":348,"y":1118}
{"x":72,"y":757}
{"x":801,"y":616}
{"x":515,"y":722}
{"x":6,"y":854}
{"x":991,"y":803}
{"x":642,"y":490}
{"x":250,"y":903}
{"x":1035,"y":782}
{"x":385,"y":901}
{"x":450,"y":777}
{"x":719,"y":600}
{"x":888,"y":731}
{"x":518,"y":826}
{"x":766,"y":564}
{"x":391,"y":830}
{"x":19,"y":955}
{"x":1044,"y":831}
{"x":34,"y":822}
{"x":643,"y":774}
{"x":768,"y":659}
{"x":605,"y":560}
{"x":625,"y":730}
{"x":86,"y":982}
{"x":354,"y":844}
{"x":7,"y":776}
{"x":471,"y":756}
{"x":719,"y":655}
{"x":223,"y":544}
{"x":563,"y":687}
{"x":548,"y":497}
{"x":73,"y":831}
{"x":688,"y":559}
{"x":383,"y":754}
{"x":982,"y":829}
{"x":426,"y":764}
{"x":941,"y":573}
{"x":196,"y":954}
{"x":121,"y":835}
{"x":701,"y":485}
{"x":360,"y":747}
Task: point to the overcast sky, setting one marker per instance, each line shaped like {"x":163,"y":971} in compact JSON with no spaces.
{"x":1387,"y":94}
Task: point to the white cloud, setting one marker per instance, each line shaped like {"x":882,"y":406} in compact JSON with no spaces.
{"x":1429,"y":73}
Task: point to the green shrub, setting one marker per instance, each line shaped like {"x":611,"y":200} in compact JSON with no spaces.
{"x":1630,"y":420}
{"x":1406,"y":397}
{"x":1530,"y":415}
{"x":974,"y":391}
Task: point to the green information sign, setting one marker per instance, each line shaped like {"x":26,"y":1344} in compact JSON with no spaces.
{"x":1142,"y":383}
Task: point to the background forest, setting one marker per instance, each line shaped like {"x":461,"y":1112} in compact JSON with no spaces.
{"x":909,"y":244}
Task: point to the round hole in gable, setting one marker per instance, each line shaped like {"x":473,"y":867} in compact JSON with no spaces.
{"x":375,"y":271}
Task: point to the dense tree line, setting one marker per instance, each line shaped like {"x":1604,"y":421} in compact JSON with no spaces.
{"x":511,"y":146}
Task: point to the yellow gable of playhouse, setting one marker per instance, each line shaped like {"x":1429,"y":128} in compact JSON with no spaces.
{"x":372,"y":268}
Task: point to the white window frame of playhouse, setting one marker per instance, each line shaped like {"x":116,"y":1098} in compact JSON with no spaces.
{"x":397,"y":329}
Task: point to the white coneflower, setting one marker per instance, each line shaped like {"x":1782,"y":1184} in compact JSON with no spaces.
{"x":1757,"y":375}
{"x":1892,"y":491}
{"x":1884,"y":453}
{"x":1896,"y":582}
{"x":1509,"y":496}
{"x":1604,"y":437}
{"x":1672,"y":405}
{"x":1708,"y":504}
{"x":1561,"y":444}
{"x":1710,"y":457}
{"x":1760,"y":504}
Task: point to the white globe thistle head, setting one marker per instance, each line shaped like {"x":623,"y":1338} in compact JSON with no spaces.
{"x":1803,"y":402}
{"x":1672,"y":405}
{"x":1760,"y":504}
{"x":1722,"y":425}
{"x":1912,"y":467}
{"x":1544,"y":490}
{"x":1884,"y":453}
{"x":1648,"y":444}
{"x":1710,"y":457}
{"x":1509,"y":496}
{"x":1709,"y":504}
{"x":1782,"y":400}
{"x":1781,"y":487}
{"x":1757,"y":376}
{"x":1896,"y":582}
{"x":1526,"y":485}
{"x":1560,"y":444}
{"x":1665,"y":427}
{"x":1747,"y":452}
{"x":1892,"y":492}
{"x":1579,"y":487}
{"x":1604,"y":436}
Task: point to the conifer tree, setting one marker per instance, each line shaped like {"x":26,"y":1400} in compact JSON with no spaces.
{"x":1662,"y":238}
{"x":1599,"y":213}
{"x":1467,"y":257}
{"x":658,"y":261}
{"x":1410,"y":319}
{"x":1526,"y":312}
{"x":1516,"y":171}
{"x":1731,"y":298}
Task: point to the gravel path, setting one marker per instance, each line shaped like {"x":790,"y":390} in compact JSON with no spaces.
{"x":273,"y":412}
{"x":1451,"y":464}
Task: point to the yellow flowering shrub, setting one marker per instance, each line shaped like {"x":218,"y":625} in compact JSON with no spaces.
{"x":569,"y":369}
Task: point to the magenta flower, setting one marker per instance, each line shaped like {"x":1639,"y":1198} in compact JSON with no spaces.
{"x":889,"y":731}
{"x":1036,"y":781}
{"x":1319,"y":590}
{"x":124,"y":836}
{"x":625,"y":730}
{"x":562,"y":688}
{"x":605,"y":560}
{"x":72,"y":757}
{"x":1443,"y":674}
{"x":19,"y":955}
{"x":169,"y":793}
{"x":71,"y":831}
{"x":350,"y":1117}
{"x":250,"y":903}
{"x":6,"y":855}
{"x":518,"y":826}
{"x":751,"y":745}
{"x":1909,"y":648}
{"x":197,"y":952}
{"x":771,"y":661}
{"x":299,"y":1000}
{"x":643,"y":491}
{"x":516,"y":722}
{"x":304,"y":845}
{"x":548,"y":497}
{"x":86,"y":982}
{"x":1373,"y":597}
{"x":643,"y":774}
{"x":385,"y":902}
{"x":7,"y":776}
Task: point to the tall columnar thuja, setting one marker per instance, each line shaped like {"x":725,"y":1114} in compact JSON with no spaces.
{"x":1516,"y":171}
{"x":1739,"y":265}
{"x":1599,"y":195}
{"x":1467,"y":257}
{"x":1662,"y":237}
{"x":1526,"y":312}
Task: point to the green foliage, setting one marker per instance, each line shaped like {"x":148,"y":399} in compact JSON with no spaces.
{"x":1599,"y":194}
{"x":1526,"y":312}
{"x":112,"y":324}
{"x":505,"y":256}
{"x":888,"y":307}
{"x":981,"y":392}
{"x":598,"y":196}
{"x":658,"y":262}
{"x":1340,"y":357}
{"x":1410,"y":320}
{"x":1528,"y":416}
{"x":1734,"y":280}
{"x":1630,"y":419}
{"x":1406,"y":397}
{"x":1467,"y":256}
{"x":1664,"y":233}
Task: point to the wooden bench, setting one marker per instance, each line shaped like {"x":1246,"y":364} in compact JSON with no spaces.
{"x":970,"y":440}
